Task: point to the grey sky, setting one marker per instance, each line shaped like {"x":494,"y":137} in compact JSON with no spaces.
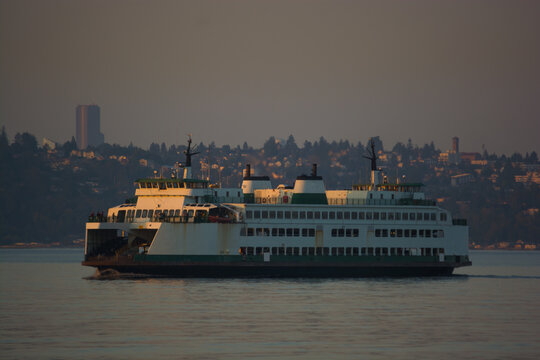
{"x":235,"y":71}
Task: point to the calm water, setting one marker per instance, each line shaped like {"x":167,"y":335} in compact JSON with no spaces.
{"x":50,"y":309}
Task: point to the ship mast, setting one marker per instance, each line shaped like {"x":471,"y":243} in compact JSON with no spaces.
{"x":189,"y":153}
{"x":375,"y":173}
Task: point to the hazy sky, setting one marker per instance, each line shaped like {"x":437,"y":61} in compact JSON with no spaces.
{"x":235,"y":71}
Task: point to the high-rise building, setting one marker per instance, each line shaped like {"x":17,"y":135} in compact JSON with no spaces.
{"x":88,"y":126}
{"x":455,"y":144}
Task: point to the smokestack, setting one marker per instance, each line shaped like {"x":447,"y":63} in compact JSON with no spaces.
{"x":314,"y":170}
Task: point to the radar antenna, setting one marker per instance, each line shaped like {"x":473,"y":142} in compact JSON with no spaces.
{"x":190,"y":152}
{"x":372,"y":156}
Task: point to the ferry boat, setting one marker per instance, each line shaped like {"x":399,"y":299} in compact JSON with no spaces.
{"x":181,"y":226}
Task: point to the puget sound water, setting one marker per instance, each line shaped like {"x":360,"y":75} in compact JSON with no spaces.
{"x":52,"y":308}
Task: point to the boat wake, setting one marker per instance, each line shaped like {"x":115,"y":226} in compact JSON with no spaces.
{"x":111,"y":274}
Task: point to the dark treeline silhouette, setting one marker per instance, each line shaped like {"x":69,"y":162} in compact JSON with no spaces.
{"x":46,"y":195}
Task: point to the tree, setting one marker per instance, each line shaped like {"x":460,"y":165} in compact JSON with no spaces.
{"x":270,"y":147}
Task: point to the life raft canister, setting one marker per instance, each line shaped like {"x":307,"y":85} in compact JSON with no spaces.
{"x":285,"y":199}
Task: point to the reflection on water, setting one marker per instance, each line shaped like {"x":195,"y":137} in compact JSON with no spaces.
{"x":50,"y":310}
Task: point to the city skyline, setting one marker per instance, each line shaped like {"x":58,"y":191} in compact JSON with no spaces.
{"x":240,"y":71}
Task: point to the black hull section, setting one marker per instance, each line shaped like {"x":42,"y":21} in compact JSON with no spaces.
{"x":277,"y":271}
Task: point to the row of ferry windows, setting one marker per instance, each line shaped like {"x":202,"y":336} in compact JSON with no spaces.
{"x":340,"y":251}
{"x":171,"y":185}
{"x":277,"y":232}
{"x":343,"y":215}
{"x":150,"y":213}
{"x":428,"y":233}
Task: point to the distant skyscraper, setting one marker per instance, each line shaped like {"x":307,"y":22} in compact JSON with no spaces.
{"x":88,"y":126}
{"x":455,"y":144}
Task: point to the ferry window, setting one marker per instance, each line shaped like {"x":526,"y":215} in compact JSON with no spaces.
{"x":339,"y":215}
{"x":149,"y":185}
{"x":398,"y":216}
{"x":310,"y":214}
{"x":280,"y":214}
{"x":165,"y":212}
{"x":413,"y":233}
{"x":289,"y":251}
{"x":385,"y":233}
{"x":341,"y":251}
{"x":260,"y":232}
{"x":227,"y":194}
{"x":392,"y":196}
{"x":142,"y":185}
{"x":176,"y":212}
{"x":281,"y":232}
{"x":250,"y":232}
{"x":334,"y":251}
{"x":256,"y":214}
{"x":272,"y":214}
{"x":274,"y":232}
{"x":390,"y":216}
{"x":407,"y":233}
{"x":346,"y":215}
{"x":377,"y":232}
{"x":158,"y":212}
{"x":375,"y":216}
{"x":274,"y":251}
{"x":348,"y":251}
{"x":317,"y":215}
{"x":433,"y":216}
{"x":420,"y":233}
{"x":383,"y":216}
{"x":370,"y":251}
{"x":258,"y":250}
{"x":363,"y":251}
{"x":369,"y":216}
{"x":169,"y":185}
{"x":296,"y":251}
{"x":381,"y":196}
{"x":249,"y":214}
{"x":441,"y":233}
{"x":294,"y":214}
{"x":348,"y":232}
{"x":264,"y":214}
{"x":302,"y":214}
{"x":266,"y":249}
{"x":443,"y":216}
{"x":162,"y":186}
{"x":324,"y":215}
{"x":304,"y":232}
{"x":138,"y":214}
{"x":326,"y":251}
{"x":378,"y":251}
{"x":281,"y":250}
{"x":287,"y":214}
{"x":319,"y":251}
{"x":354,"y":215}
{"x":311,"y":251}
{"x":341,"y":232}
{"x":400,"y":251}
{"x":371,"y":196}
{"x":249,"y":250}
{"x":435,"y":233}
{"x":400,"y":233}
{"x":311,"y":232}
{"x":334,"y":232}
{"x":355,"y":251}
{"x":289,"y":232}
{"x":427,"y":233}
{"x":175,"y":185}
{"x":385,"y":251}
{"x":392,"y":232}
{"x":144,"y":213}
{"x":361,"y":215}
{"x":412,"y":216}
{"x":355,"y":232}
{"x":304,"y":251}
{"x":332,"y":215}
{"x":419,"y":216}
{"x":296,"y":232}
